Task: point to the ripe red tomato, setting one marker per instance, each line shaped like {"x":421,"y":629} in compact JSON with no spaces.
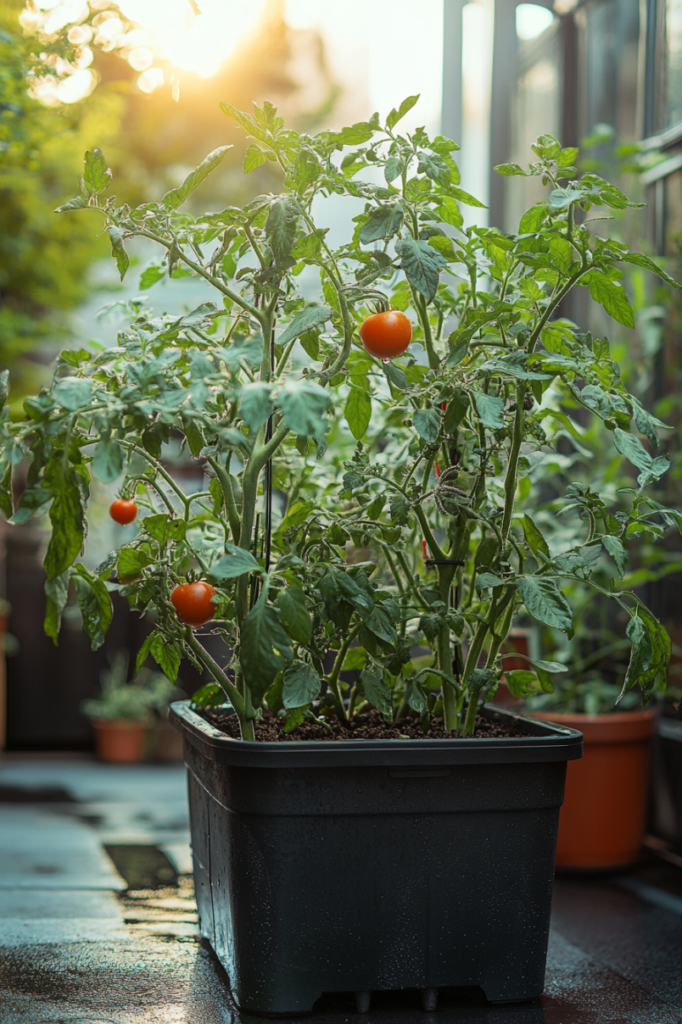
{"x":386,"y":335}
{"x":193,"y":602}
{"x":122,"y":511}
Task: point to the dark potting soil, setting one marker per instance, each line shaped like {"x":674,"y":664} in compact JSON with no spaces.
{"x":367,"y":726}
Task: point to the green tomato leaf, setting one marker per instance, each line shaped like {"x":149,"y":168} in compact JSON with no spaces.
{"x":66,"y":516}
{"x":255,"y":404}
{"x":6,"y":496}
{"x":118,"y":250}
{"x":534,"y":539}
{"x":303,"y":405}
{"x":616,"y":550}
{"x":376,"y":691}
{"x":639,"y":260}
{"x":265,"y":648}
{"x":380,"y":623}
{"x":490,"y":410}
{"x":95,"y":606}
{"x":427,"y":424}
{"x":301,"y":685}
{"x":384,"y":222}
{"x":73,"y":393}
{"x":421,"y":265}
{"x":166,"y":655}
{"x":546,"y":603}
{"x":254,"y":158}
{"x":294,"y":614}
{"x":280,"y":228}
{"x":612,"y":296}
{"x":397,"y":115}
{"x":522,"y":682}
{"x":56,"y":592}
{"x":177,"y":196}
{"x":358,"y":411}
{"x":96,"y":174}
{"x":632,"y":448}
{"x":107,"y":464}
{"x":130,"y":563}
{"x":211,"y":695}
{"x":234,"y":563}
{"x":309,"y":317}
{"x":355,"y":660}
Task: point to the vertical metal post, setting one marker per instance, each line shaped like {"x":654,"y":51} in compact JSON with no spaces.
{"x":451,"y":109}
{"x":502,"y":91}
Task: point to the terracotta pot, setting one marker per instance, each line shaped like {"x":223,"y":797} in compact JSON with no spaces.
{"x":603,"y":817}
{"x":119,"y":742}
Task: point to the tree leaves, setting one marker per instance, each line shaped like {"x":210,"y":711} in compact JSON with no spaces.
{"x":177,"y":196}
{"x":545,"y":602}
{"x":358,"y":411}
{"x":301,"y":685}
{"x":265,"y":648}
{"x":304,"y":404}
{"x":421,"y":264}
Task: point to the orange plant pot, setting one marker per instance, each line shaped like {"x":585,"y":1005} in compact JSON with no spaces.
{"x":603,"y":816}
{"x":119,"y":742}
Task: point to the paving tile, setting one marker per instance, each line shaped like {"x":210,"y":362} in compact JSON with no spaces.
{"x":43,"y":850}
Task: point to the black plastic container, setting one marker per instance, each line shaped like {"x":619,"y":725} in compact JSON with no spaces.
{"x":666,"y":802}
{"x":368,"y":865}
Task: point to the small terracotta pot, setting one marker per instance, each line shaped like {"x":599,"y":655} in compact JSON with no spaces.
{"x":119,"y":742}
{"x":603,"y":817}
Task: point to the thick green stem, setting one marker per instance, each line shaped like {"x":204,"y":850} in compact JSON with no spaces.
{"x":228,"y":495}
{"x":513,"y":464}
{"x":236,"y":700}
{"x":333,"y":678}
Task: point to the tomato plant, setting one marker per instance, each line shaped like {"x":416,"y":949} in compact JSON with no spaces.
{"x":319,"y":458}
{"x":386,"y":334}
{"x":194,"y":602}
{"x":122,"y":511}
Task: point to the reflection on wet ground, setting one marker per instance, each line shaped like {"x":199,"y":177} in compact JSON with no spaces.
{"x":96,"y":938}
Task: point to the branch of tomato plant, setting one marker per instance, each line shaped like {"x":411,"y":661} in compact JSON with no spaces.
{"x":131,"y":446}
{"x":333,"y":677}
{"x":235,"y":697}
{"x":225,"y":482}
{"x":238,"y":299}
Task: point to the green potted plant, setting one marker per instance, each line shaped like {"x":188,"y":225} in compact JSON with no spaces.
{"x":124,"y":712}
{"x":366,"y":413}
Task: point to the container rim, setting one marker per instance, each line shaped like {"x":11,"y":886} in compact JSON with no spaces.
{"x":546,"y":742}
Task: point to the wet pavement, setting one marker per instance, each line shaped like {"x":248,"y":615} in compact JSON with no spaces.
{"x":98,"y":924}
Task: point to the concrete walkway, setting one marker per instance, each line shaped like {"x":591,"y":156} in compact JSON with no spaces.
{"x":82,"y":944}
